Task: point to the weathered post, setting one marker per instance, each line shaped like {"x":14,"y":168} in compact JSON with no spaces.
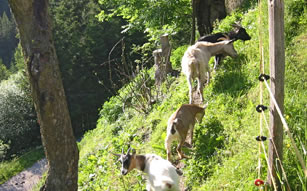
{"x":162,"y":60}
{"x":277,"y":68}
{"x":166,"y":52}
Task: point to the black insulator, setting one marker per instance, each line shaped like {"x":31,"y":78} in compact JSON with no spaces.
{"x":263,"y":77}
{"x":261,"y":138}
{"x":261,"y":108}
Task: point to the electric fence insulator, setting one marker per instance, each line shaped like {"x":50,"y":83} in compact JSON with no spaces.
{"x":261,"y":108}
{"x":261,"y":138}
{"x":259,"y":182}
{"x":263,"y":77}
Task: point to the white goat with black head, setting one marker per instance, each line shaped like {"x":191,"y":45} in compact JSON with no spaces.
{"x":195,"y":60}
{"x":160,"y":173}
{"x":239,"y":33}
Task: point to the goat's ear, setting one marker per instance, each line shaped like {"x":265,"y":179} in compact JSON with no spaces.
{"x":175,"y":121}
{"x":206,"y":105}
{"x":128,"y":150}
{"x":133,"y":151}
{"x":237,"y":25}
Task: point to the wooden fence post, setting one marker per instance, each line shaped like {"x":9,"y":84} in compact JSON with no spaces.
{"x":277,"y":73}
{"x":162,"y":60}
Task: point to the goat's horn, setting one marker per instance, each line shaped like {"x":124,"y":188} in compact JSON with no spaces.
{"x":118,"y":155}
{"x":226,"y":37}
{"x":128,"y":151}
{"x":222,"y":38}
{"x":236,"y":24}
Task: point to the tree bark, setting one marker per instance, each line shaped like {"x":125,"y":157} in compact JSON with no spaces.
{"x":192,"y":41}
{"x":60,"y":146}
{"x":207,"y":11}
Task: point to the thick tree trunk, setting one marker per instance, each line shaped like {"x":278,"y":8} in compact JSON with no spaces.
{"x":48,"y":94}
{"x":207,"y":11}
{"x":192,"y":41}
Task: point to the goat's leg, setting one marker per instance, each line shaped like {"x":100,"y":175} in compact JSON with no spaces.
{"x":191,"y":127}
{"x":217,"y":60}
{"x":200,"y":88}
{"x":179,"y":151}
{"x":208,"y":77}
{"x":148,"y":187}
{"x":189,"y":79}
{"x":168,"y":143}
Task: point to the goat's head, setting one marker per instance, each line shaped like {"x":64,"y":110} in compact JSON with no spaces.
{"x":126,"y":160}
{"x":199,"y":116}
{"x":228,"y":48}
{"x":241,"y":32}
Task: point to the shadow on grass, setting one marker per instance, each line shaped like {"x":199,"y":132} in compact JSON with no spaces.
{"x":208,"y":138}
{"x":231,"y":78}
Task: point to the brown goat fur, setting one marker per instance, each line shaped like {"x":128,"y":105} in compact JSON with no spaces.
{"x":180,"y":123}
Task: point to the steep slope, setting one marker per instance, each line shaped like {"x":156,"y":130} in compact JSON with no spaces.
{"x":225,"y":153}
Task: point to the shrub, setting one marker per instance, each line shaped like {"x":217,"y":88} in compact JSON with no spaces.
{"x":17,"y":116}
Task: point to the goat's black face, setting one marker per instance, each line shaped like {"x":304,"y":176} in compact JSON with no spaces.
{"x":125,"y":161}
{"x":242,"y":34}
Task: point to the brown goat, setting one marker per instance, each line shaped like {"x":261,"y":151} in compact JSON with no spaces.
{"x":180,"y":123}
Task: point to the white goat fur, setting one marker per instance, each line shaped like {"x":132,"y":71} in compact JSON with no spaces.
{"x":161,"y":175}
{"x":195,"y":62}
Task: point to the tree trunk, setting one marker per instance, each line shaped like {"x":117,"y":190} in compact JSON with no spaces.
{"x":207,"y":11}
{"x":192,"y":41}
{"x":60,"y":146}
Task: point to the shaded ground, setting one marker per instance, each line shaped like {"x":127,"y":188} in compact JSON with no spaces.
{"x":27,"y":179}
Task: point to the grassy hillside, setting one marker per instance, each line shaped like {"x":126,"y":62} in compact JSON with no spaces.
{"x":225,"y":153}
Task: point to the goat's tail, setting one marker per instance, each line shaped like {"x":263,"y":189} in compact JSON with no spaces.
{"x":169,"y":185}
{"x":187,"y":63}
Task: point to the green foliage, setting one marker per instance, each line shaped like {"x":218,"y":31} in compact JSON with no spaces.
{"x":10,"y":168}
{"x":92,"y":66}
{"x":18,"y":63}
{"x":3,"y":149}
{"x":295,"y":19}
{"x":17,"y":116}
{"x":4,"y":73}
{"x":153,"y":17}
{"x":177,"y":56}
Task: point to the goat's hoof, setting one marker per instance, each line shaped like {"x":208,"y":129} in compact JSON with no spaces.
{"x":185,"y":144}
{"x":183,"y":157}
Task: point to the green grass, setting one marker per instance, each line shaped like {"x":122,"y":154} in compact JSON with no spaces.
{"x":10,"y":168}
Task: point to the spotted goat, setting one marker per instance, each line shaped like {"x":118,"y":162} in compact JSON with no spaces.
{"x":161,"y":175}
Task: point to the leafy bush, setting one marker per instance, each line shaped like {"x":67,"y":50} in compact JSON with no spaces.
{"x":18,"y":124}
{"x":177,"y":56}
{"x":3,"y":149}
{"x":4,"y":73}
